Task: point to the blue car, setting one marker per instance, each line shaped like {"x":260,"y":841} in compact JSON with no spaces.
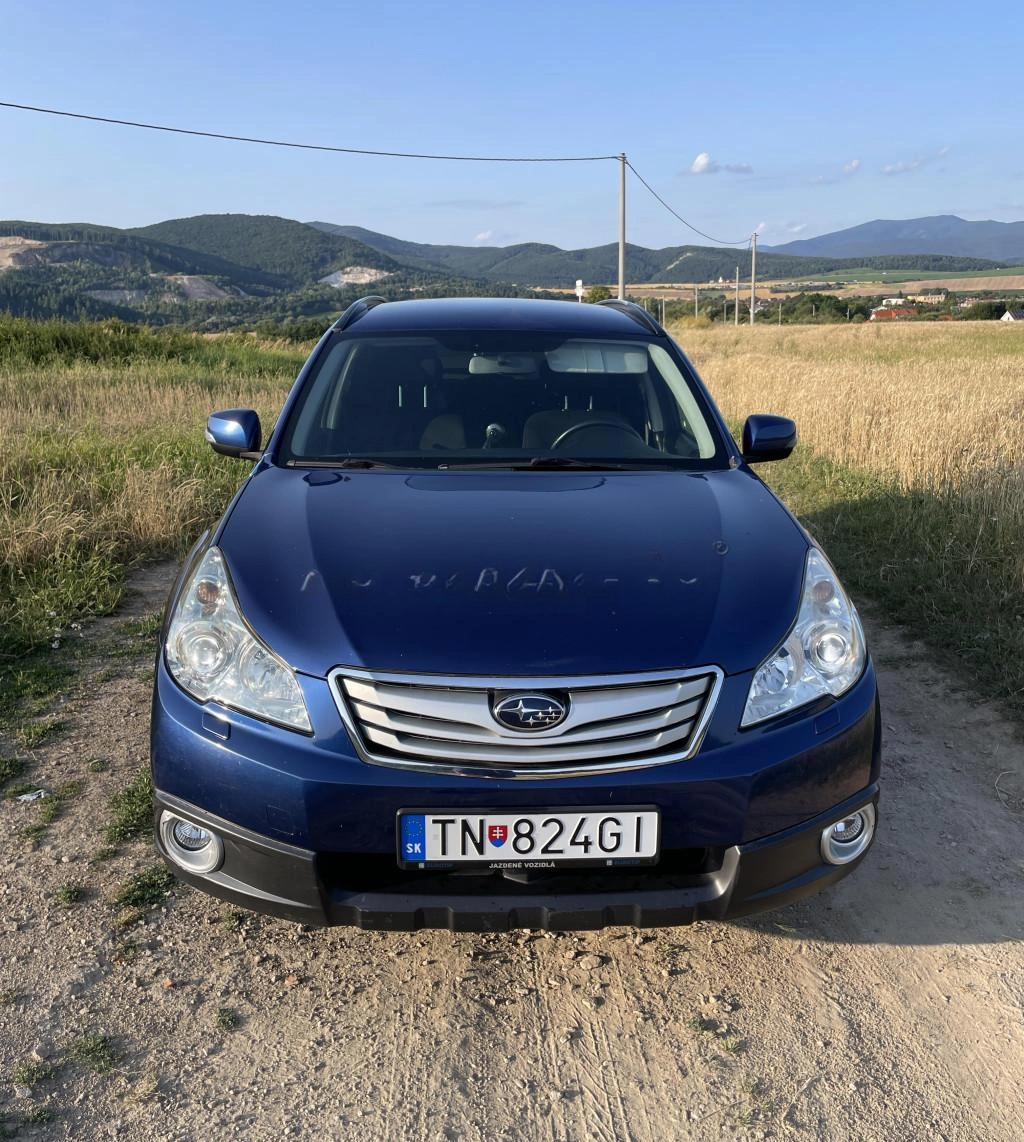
{"x":503,"y":631}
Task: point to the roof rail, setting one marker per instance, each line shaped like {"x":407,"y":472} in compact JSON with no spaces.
{"x":356,"y":310}
{"x":637,"y":312}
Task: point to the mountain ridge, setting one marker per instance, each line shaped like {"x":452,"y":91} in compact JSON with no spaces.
{"x":222,"y":270}
{"x":933,"y":234}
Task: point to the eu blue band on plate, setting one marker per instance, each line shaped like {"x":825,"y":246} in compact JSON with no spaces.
{"x":414,"y":837}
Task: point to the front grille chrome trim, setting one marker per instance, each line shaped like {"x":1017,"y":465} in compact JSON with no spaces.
{"x":443,"y":723}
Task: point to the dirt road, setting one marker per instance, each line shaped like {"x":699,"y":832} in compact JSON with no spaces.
{"x":890,"y":1008}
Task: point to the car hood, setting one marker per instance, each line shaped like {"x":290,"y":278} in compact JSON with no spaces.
{"x":514,"y":573}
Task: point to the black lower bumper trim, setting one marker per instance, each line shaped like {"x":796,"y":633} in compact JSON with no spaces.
{"x":282,"y":880}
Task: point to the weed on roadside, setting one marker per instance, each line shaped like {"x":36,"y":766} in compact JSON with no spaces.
{"x":32,"y":734}
{"x":146,"y":1087}
{"x":132,"y":809}
{"x":236,"y":919}
{"x":107,"y":852}
{"x":28,"y":690}
{"x":97,"y":1052}
{"x":98,"y":765}
{"x":124,"y":951}
{"x":31,"y":1073}
{"x":38,"y":1116}
{"x":11,"y":768}
{"x":68,"y":895}
{"x":228,"y":1019}
{"x":134,"y":637}
{"x":146,"y":889}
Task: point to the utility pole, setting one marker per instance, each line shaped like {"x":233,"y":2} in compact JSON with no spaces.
{"x":725,"y":309}
{"x":736,"y":308}
{"x":753,"y":274}
{"x":662,"y":311}
{"x":622,"y":226}
{"x":696,"y":297}
{"x":780,"y":312}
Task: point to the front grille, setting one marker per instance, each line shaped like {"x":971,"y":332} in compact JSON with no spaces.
{"x":445,"y":723}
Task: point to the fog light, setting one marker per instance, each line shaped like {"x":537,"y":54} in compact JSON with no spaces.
{"x":190,"y":845}
{"x":845,"y":839}
{"x":191,"y":837}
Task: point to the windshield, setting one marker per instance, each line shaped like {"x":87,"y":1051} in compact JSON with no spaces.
{"x":526,"y":399}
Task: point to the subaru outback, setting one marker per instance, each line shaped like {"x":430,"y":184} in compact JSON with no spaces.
{"x":504,"y":631}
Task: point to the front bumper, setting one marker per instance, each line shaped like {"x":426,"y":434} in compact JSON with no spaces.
{"x":309,"y":829}
{"x":296,"y":884}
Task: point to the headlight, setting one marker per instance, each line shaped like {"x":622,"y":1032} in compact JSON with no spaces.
{"x":213,"y":655}
{"x":824,"y":653}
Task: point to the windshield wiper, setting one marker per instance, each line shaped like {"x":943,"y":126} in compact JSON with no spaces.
{"x":571,"y":462}
{"x":537,"y":463}
{"x":345,"y":462}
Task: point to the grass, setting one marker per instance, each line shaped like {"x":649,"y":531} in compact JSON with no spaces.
{"x":145,"y":890}
{"x":90,"y":488}
{"x":68,"y":895}
{"x":51,"y":807}
{"x":97,"y":1052}
{"x":228,"y":1019}
{"x":236,"y":919}
{"x":11,"y":768}
{"x":131,"y":809}
{"x":910,"y":470}
{"x":31,"y":1073}
{"x":29,"y":735}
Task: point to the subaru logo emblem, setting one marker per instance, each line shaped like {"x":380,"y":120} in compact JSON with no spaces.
{"x":529,"y":713}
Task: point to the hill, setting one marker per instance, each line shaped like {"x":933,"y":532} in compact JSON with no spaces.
{"x":69,"y":243}
{"x":543,"y":265}
{"x":292,"y":251}
{"x":219,"y":271}
{"x":941,"y":234}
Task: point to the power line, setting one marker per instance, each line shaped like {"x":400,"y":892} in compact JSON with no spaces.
{"x":310,"y":146}
{"x":79,"y":115}
{"x":677,"y":215}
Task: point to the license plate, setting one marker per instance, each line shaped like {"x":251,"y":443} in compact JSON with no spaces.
{"x":535,"y":839}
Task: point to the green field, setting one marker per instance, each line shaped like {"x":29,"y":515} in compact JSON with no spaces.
{"x":866,"y":276}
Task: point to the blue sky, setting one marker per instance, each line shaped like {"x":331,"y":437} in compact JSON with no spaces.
{"x":795,"y":118}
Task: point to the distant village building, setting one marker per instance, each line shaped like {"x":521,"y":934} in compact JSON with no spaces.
{"x":929,"y":297}
{"x":893,"y":302}
{"x":1013,"y":315}
{"x":892,"y":313}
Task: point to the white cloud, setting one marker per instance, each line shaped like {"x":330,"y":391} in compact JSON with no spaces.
{"x":703,"y":164}
{"x":761,"y":227}
{"x":484,"y":237}
{"x":796,"y":227}
{"x":851,"y":167}
{"x":906,"y":166}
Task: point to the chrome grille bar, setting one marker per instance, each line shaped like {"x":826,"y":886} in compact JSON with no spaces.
{"x":444,"y":723}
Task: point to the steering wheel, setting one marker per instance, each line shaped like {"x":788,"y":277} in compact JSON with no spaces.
{"x":572,"y":429}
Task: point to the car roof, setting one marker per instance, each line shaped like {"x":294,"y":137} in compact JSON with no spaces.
{"x":499,"y":314}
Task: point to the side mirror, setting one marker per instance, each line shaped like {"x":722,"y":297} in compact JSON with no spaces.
{"x":768,"y":438}
{"x":235,"y":432}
